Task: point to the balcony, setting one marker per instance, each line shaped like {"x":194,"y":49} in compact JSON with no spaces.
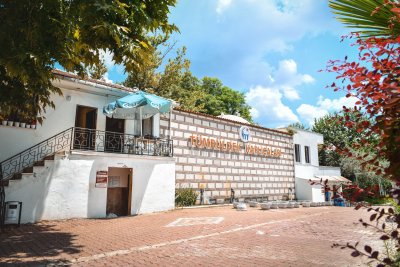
{"x":75,"y":138}
{"x":112,"y":142}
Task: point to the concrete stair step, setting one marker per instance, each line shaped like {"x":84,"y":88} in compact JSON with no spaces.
{"x":37,"y":166}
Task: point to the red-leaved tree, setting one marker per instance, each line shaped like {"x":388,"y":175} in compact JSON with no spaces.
{"x":375,"y":80}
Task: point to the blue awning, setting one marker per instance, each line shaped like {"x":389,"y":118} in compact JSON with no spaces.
{"x":137,"y":105}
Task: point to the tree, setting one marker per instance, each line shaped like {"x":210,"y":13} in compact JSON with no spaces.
{"x":375,"y":81}
{"x":177,"y":82}
{"x":144,"y":73}
{"x":338,"y":139}
{"x":35,"y":35}
{"x":371,"y":18}
{"x":97,"y":71}
{"x":221,"y":99}
{"x":174,"y":82}
{"x":298,"y":125}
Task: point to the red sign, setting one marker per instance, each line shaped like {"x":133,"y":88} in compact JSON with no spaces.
{"x":101,"y":179}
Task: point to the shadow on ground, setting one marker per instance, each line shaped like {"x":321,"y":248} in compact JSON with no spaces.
{"x":35,"y":245}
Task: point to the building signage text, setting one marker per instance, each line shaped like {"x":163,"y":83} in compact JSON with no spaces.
{"x":232,"y":146}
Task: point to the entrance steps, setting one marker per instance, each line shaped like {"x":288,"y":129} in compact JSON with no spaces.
{"x":34,"y":171}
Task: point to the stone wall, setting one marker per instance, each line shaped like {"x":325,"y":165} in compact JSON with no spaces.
{"x":217,"y":171}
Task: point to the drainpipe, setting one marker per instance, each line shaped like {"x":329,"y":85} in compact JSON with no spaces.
{"x":141,"y":121}
{"x":169,"y":125}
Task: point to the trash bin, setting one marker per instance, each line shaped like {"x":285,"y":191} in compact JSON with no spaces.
{"x":13,"y":212}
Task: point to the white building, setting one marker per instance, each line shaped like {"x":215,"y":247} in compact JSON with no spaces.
{"x":307,"y":167}
{"x":74,"y":175}
{"x":81,"y":163}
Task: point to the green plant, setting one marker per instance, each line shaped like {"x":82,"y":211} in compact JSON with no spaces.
{"x":185,"y":197}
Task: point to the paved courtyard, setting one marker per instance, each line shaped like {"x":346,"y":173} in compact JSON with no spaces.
{"x":219,"y":236}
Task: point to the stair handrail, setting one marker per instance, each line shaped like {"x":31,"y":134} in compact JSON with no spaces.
{"x":36,"y":157}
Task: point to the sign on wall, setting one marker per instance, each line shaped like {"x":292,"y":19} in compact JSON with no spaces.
{"x":232,"y":146}
{"x":244,"y":134}
{"x":101,"y":179}
{"x":114,"y":181}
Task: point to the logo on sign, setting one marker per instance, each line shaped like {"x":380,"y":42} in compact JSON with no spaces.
{"x":244,"y":134}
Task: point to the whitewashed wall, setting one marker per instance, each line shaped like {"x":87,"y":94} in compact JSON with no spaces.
{"x":16,"y":139}
{"x":66,"y":188}
{"x":305,"y":191}
{"x":311,"y":139}
{"x":305,"y":171}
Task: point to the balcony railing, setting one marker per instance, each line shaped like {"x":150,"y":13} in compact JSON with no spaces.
{"x":85,"y":139}
{"x":112,"y":142}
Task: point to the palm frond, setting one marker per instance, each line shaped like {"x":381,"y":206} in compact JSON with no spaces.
{"x":362,"y":16}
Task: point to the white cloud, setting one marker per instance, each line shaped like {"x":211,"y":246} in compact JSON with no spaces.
{"x":323,"y":107}
{"x":106,"y":78}
{"x":223,"y":4}
{"x":286,"y":78}
{"x":107,"y":57}
{"x":235,"y":47}
{"x":267,"y":106}
{"x":254,"y":113}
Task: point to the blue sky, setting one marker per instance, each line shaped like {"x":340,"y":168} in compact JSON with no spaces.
{"x":271,"y":50}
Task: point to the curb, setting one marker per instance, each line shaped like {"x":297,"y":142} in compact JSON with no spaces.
{"x":203,"y":206}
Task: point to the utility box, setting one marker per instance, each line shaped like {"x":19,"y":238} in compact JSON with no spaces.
{"x":13,"y":212}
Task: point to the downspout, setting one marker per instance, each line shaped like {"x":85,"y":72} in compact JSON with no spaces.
{"x":169,"y":125}
{"x":141,"y":122}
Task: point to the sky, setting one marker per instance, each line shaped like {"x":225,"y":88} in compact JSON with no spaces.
{"x":271,"y":50}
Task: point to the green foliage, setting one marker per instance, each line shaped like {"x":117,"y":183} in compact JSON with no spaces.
{"x":185,"y":197}
{"x":370,"y":179}
{"x":370,"y":17}
{"x":35,"y":35}
{"x":376,"y":200}
{"x":176,"y":82}
{"x":338,"y":138}
{"x":143,"y":74}
{"x":97,"y":71}
{"x":298,"y":125}
{"x":394,"y":204}
{"x":221,"y":99}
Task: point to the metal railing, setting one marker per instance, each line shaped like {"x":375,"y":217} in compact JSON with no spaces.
{"x":75,"y":138}
{"x":28,"y":157}
{"x":113,"y":142}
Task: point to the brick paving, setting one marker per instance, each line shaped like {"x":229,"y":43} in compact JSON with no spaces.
{"x":288,"y":237}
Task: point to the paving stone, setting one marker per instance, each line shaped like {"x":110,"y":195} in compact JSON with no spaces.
{"x":292,"y":237}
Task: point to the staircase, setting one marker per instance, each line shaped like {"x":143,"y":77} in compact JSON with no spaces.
{"x":23,"y":163}
{"x":13,"y":167}
{"x":29,"y":162}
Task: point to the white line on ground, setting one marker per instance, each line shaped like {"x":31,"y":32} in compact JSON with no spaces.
{"x":174,"y":242}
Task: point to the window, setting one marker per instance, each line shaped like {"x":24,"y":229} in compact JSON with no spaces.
{"x":147,"y":127}
{"x":307,"y":153}
{"x":297,"y":152}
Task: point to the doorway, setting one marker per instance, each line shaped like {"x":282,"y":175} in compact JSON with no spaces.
{"x":85,"y":131}
{"x":119,"y":191}
{"x":114,"y":137}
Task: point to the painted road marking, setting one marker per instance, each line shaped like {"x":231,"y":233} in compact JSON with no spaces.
{"x":174,"y":242}
{"x":195,"y":221}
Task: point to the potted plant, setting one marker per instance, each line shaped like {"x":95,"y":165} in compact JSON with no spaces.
{"x":24,"y":119}
{"x":33,"y":124}
{"x":4,"y":114}
{"x":3,"y":120}
{"x":16,"y":123}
